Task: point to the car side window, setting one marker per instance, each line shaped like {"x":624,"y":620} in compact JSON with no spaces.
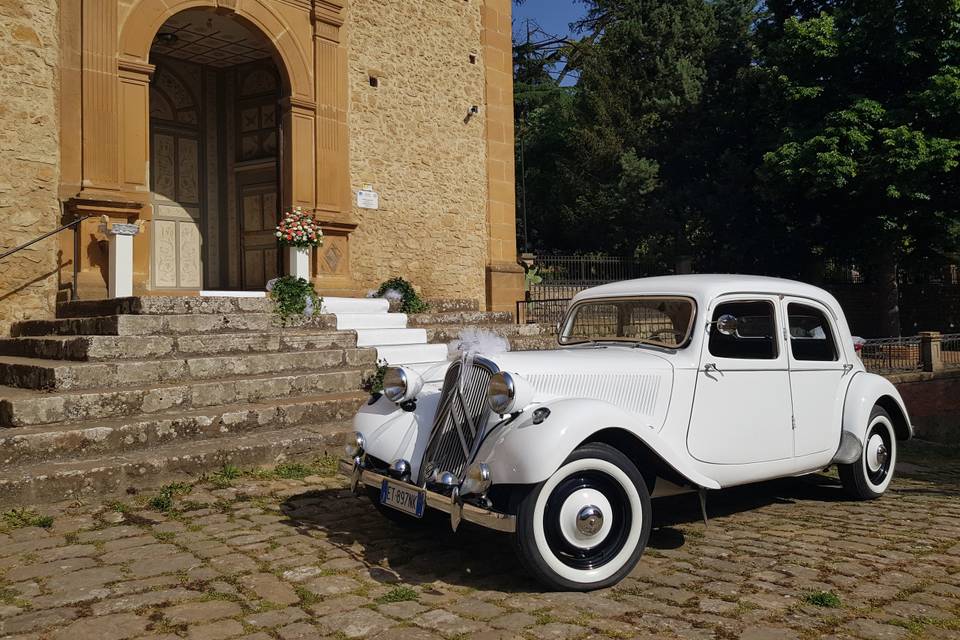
{"x":810,"y":335}
{"x":755,"y":337}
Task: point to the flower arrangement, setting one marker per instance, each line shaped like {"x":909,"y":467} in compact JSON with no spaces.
{"x":299,"y":229}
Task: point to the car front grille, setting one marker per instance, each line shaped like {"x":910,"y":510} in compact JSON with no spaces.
{"x":462,"y":415}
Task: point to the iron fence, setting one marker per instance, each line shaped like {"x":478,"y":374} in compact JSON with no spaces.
{"x":887,"y":355}
{"x":950,"y":349}
{"x":547,"y":311}
{"x":586,"y":270}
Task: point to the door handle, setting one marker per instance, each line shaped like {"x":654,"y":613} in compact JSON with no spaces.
{"x":709,"y":366}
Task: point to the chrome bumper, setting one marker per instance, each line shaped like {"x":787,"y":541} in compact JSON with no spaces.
{"x":457,"y":509}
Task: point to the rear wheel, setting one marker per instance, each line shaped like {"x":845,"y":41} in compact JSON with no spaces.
{"x":870,"y":475}
{"x":586,"y":526}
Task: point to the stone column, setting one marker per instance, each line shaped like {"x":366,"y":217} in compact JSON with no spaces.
{"x":930,"y":357}
{"x":504,"y":280}
{"x":120,"y":283}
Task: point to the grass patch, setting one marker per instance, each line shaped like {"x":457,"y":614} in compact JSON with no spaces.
{"x":306,"y":596}
{"x":18,"y":518}
{"x":822,"y":599}
{"x":163,"y":501}
{"x":119,"y":507}
{"x":224,"y":477}
{"x":398,"y":594}
{"x":164,"y":536}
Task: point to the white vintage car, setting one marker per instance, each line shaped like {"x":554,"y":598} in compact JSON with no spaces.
{"x":659,"y":385}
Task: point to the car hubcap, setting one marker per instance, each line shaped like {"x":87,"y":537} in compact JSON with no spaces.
{"x":878,"y":453}
{"x":586,"y":520}
{"x":589,"y":521}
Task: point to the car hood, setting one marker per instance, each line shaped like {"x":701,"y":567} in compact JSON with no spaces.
{"x":635,"y":379}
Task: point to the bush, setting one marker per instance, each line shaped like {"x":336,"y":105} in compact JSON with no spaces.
{"x":374,"y":382}
{"x":294,"y":297}
{"x":410,"y":301}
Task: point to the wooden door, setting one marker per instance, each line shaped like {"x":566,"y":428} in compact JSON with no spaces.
{"x":258,"y":203}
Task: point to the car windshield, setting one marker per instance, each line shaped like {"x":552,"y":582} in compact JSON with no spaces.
{"x":660,"y":321}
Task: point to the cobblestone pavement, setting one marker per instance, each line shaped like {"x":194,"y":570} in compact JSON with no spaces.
{"x":298,"y":559}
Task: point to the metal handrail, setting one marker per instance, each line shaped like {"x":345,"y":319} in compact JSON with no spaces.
{"x":76,"y":247}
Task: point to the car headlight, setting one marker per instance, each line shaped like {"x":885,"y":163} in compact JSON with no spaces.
{"x":353,"y":444}
{"x":401,"y":385}
{"x":508,"y":392}
{"x":477,"y":480}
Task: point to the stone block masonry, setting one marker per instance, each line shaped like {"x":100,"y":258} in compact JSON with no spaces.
{"x":29,"y":151}
{"x":410,"y":138}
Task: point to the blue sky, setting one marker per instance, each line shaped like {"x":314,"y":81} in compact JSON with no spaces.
{"x":553,"y":16}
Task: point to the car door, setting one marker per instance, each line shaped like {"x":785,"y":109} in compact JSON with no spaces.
{"x":742,"y":411}
{"x":817,"y":373}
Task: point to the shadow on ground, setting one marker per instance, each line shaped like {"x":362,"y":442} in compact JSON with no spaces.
{"x":429,"y":551}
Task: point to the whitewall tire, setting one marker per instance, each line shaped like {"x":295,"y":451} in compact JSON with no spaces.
{"x":870,"y":475}
{"x":586,"y":526}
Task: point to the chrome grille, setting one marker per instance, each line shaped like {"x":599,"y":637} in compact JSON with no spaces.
{"x":461,"y":417}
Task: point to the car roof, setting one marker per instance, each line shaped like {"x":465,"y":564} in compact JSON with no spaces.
{"x":706,"y":287}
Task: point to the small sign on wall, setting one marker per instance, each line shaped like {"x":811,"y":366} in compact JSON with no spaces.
{"x":367,"y":198}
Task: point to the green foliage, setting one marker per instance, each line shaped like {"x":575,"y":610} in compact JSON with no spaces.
{"x":398,"y":594}
{"x":822,"y":599}
{"x":411,"y":302}
{"x":374,"y":382}
{"x":20,"y":517}
{"x":765,"y":137}
{"x":163,"y":500}
{"x":294,"y":297}
{"x":224,"y":477}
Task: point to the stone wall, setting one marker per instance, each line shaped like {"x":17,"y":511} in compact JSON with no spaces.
{"x":410,"y":140}
{"x":29,"y":173}
{"x":933,"y":401}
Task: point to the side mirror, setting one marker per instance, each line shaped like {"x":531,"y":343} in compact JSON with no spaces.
{"x":727,"y":324}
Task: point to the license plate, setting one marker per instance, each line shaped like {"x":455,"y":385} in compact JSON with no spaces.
{"x":403,"y":497}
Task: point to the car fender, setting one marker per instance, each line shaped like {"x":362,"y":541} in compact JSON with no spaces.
{"x":518,"y":451}
{"x":867,"y":390}
{"x":392,"y":433}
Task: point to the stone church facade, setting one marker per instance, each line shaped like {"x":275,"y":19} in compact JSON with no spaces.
{"x":202,"y":120}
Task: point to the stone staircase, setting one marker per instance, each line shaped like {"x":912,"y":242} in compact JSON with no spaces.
{"x":120,"y":395}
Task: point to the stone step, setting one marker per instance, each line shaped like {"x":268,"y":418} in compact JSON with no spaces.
{"x":22,"y":408}
{"x":128,"y":473}
{"x":371,"y":321}
{"x":376,"y":337}
{"x":447,"y":333}
{"x":164,"y":305}
{"x":95,"y":348}
{"x":176,"y":324}
{"x":89,"y":438}
{"x":464,"y":318}
{"x":442,"y":305}
{"x":412,"y":353}
{"x":355,"y":305}
{"x":66,"y":375}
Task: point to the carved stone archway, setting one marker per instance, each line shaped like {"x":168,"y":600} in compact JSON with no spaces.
{"x":112,"y":138}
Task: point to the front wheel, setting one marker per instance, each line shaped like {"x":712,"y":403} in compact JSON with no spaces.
{"x":585,"y":527}
{"x":870,"y":475}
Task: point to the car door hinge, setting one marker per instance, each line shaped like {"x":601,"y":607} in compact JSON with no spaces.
{"x":784,"y":334}
{"x":793,"y":422}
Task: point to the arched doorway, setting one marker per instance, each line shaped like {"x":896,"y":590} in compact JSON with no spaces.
{"x":215,"y":137}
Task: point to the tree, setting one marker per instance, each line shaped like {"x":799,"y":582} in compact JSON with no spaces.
{"x":867,"y":150}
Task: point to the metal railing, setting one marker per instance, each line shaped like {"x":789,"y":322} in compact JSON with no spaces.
{"x":548,"y":311}
{"x":75,"y":226}
{"x":587,"y":270}
{"x":950,"y":349}
{"x":887,"y":355}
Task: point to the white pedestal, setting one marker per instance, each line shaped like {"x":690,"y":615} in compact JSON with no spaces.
{"x":120,"y":284}
{"x":298,"y":262}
